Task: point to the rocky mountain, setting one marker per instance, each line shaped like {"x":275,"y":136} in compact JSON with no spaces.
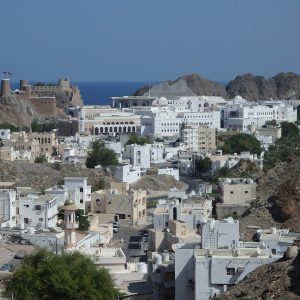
{"x":187,"y":85}
{"x":250,"y":87}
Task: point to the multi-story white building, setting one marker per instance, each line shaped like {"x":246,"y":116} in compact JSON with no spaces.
{"x":243,"y":116}
{"x":198,"y":137}
{"x":165,"y":121}
{"x":139,"y":155}
{"x":37,"y":210}
{"x":8,"y":212}
{"x":193,"y":211}
{"x":79,"y":191}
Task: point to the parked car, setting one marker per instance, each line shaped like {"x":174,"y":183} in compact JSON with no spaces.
{"x":117,"y":224}
{"x":7,"y":267}
{"x":115,"y":228}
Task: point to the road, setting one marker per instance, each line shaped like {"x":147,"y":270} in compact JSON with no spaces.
{"x":131,"y":243}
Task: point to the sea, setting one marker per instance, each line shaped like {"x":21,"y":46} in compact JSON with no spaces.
{"x":99,"y":93}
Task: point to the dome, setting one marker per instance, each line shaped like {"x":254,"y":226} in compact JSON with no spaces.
{"x":238,"y":97}
{"x":162,"y":101}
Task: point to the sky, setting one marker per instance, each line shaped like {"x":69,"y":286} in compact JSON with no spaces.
{"x":139,"y":40}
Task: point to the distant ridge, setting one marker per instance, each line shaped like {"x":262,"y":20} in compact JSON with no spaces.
{"x":283,"y":86}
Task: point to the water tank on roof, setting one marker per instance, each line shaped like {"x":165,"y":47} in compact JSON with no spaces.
{"x":30,"y":230}
{"x":141,"y":267}
{"x":158,"y":259}
{"x":165,"y":257}
{"x":273,"y":230}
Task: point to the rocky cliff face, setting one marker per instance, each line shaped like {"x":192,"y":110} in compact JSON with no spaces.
{"x":187,"y":85}
{"x":16,"y":111}
{"x":250,"y":87}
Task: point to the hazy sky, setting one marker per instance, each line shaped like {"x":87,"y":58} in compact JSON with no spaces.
{"x":113,"y":40}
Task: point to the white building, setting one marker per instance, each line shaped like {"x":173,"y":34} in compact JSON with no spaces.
{"x":60,"y":193}
{"x":169,"y":171}
{"x":5,"y":134}
{"x":164,"y":121}
{"x":79,"y":191}
{"x":139,"y":155}
{"x":38,"y":210}
{"x":243,"y":116}
{"x":193,"y":211}
{"x":237,"y":190}
{"x":127,"y":173}
{"x":198,"y":137}
{"x":202,"y":273}
{"x":8,"y":213}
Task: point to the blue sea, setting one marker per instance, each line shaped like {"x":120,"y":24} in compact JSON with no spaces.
{"x":99,"y":93}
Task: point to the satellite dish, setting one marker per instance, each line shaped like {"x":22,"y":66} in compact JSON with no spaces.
{"x":38,"y":226}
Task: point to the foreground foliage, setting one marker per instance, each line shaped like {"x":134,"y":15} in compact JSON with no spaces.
{"x":44,"y":275}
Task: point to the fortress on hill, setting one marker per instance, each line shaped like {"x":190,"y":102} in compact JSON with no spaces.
{"x":47,"y":100}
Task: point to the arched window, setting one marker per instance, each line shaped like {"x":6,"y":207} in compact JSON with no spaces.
{"x":124,"y":129}
{"x":96,"y":131}
{"x":129,"y":129}
{"x":101,"y":129}
{"x":110,"y":129}
{"x":115,"y":129}
{"x":133,"y":128}
{"x":120,"y":129}
{"x":106,"y":129}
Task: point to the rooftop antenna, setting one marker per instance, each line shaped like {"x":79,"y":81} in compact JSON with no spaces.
{"x":149,"y":89}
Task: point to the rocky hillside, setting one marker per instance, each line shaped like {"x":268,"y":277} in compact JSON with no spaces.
{"x":278,"y":196}
{"x":187,"y":85}
{"x":250,"y":87}
{"x":43,"y":176}
{"x":278,"y":280}
{"x":16,"y":111}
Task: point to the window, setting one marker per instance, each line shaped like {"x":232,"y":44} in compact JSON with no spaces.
{"x":81,"y":190}
{"x":81,"y":200}
{"x":246,"y":192}
{"x":41,"y":219}
{"x":38,"y":207}
{"x":26,"y":221}
{"x":231,"y":192}
{"x":230,"y":271}
{"x":274,"y":251}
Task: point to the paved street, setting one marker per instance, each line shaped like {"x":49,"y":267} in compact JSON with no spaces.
{"x":131,"y":243}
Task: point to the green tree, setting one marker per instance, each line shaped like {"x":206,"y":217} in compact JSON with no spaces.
{"x":289,"y":129}
{"x":101,"y":156}
{"x":40,"y":159}
{"x":242,"y":142}
{"x":82,"y":220}
{"x":134,"y":139}
{"x":202,"y":165}
{"x":44,"y":275}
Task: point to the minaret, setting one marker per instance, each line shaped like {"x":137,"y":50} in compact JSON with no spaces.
{"x":70,"y":225}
